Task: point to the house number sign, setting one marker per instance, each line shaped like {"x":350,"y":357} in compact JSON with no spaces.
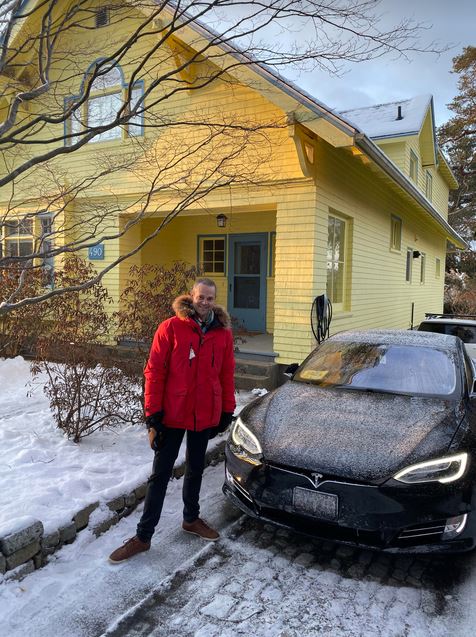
{"x":96,"y":252}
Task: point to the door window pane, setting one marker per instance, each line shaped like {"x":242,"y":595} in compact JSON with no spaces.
{"x":247,"y":259}
{"x":246,"y":292}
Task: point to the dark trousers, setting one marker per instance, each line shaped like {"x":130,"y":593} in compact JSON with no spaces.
{"x":161,"y":472}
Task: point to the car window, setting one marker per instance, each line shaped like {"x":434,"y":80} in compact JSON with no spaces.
{"x":467,"y":333}
{"x":400,"y":369}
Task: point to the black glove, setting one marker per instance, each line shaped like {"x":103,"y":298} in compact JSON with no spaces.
{"x":157,"y":430}
{"x":225,"y":422}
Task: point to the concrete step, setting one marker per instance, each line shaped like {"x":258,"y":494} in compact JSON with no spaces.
{"x":249,"y":382}
{"x":255,"y":367}
{"x":256,"y":373}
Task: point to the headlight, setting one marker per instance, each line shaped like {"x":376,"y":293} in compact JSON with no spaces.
{"x":245,"y":444}
{"x":443,"y":470}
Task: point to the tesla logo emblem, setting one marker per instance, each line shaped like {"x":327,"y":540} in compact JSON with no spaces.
{"x":316,"y":478}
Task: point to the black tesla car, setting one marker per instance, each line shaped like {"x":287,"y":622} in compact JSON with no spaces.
{"x":372,"y":442}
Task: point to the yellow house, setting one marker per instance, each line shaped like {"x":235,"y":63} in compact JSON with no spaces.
{"x":275,"y":196}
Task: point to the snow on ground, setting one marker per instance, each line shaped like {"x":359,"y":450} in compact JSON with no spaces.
{"x":79,"y":593}
{"x":254,"y":580}
{"x":46,"y":476}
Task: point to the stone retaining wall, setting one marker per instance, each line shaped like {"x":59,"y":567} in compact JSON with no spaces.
{"x":28,"y":548}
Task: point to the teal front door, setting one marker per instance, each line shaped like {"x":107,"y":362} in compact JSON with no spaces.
{"x":247,"y":280}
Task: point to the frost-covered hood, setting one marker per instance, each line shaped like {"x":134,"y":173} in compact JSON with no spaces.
{"x":352,"y":434}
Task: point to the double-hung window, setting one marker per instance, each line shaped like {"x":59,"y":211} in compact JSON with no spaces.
{"x":46,"y":243}
{"x":109,"y":97}
{"x":422,"y":268}
{"x":337,"y":239}
{"x":408,"y":267}
{"x":395,"y":233}
{"x":18,"y":237}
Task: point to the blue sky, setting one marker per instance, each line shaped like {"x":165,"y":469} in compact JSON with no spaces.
{"x":451,"y":22}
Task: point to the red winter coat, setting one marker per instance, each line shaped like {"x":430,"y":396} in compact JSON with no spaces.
{"x":190,"y":375}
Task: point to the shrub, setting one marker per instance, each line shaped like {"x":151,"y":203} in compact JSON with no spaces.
{"x":20,"y":328}
{"x":86,"y":387}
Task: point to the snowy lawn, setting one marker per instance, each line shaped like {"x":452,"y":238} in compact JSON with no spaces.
{"x":44,"y":475}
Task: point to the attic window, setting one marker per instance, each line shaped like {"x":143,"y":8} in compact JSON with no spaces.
{"x":102,"y":17}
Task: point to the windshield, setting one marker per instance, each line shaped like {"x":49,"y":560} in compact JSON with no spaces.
{"x":467,"y":333}
{"x":399,"y":369}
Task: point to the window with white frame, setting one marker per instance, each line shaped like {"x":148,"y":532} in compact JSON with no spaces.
{"x":107,"y":98}
{"x":17,"y":237}
{"x":395,"y":233}
{"x":408,"y":268}
{"x":413,"y":166}
{"x":46,"y":243}
{"x":212,"y":254}
{"x":428,"y":185}
{"x":337,"y":231}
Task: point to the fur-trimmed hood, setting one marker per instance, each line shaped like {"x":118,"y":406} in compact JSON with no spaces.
{"x":183,"y":308}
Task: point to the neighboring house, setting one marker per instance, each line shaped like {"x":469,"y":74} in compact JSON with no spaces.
{"x":352,"y":204}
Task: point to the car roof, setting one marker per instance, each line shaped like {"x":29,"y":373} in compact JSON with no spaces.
{"x":399,"y":337}
{"x":458,"y":321}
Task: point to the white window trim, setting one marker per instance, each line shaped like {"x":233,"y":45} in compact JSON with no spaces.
{"x":133,"y":128}
{"x":201,"y":239}
{"x":342,"y":306}
{"x":422,"y":268}
{"x":409,"y":260}
{"x":392,"y":219}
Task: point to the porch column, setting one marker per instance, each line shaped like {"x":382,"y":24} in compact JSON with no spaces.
{"x":300,"y":271}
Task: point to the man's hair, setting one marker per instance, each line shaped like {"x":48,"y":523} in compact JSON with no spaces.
{"x":204,"y":281}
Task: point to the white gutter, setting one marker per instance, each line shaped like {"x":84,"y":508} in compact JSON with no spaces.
{"x":374,"y":152}
{"x":339,"y":121}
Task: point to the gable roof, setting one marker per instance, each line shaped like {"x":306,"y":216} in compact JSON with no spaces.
{"x":382,"y":120}
{"x":310,"y":112}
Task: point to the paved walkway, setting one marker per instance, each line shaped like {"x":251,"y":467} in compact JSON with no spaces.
{"x":262,"y":581}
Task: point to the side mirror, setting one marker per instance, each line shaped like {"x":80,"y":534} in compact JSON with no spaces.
{"x":291,"y":369}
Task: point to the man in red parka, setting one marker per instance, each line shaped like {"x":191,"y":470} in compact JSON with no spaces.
{"x":189,"y":387}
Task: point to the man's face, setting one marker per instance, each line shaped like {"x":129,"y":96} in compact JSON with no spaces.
{"x":203,"y":299}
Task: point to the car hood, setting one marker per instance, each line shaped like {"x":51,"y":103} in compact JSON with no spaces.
{"x":354,"y":434}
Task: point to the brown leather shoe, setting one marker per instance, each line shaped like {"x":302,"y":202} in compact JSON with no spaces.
{"x":200,"y":527}
{"x":129,"y":549}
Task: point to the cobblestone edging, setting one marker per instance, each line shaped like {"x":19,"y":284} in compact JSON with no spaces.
{"x":28,"y":548}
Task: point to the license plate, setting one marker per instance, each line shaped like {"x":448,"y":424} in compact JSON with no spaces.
{"x":320,"y":505}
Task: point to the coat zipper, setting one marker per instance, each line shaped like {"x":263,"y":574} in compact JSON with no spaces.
{"x":198,"y":354}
